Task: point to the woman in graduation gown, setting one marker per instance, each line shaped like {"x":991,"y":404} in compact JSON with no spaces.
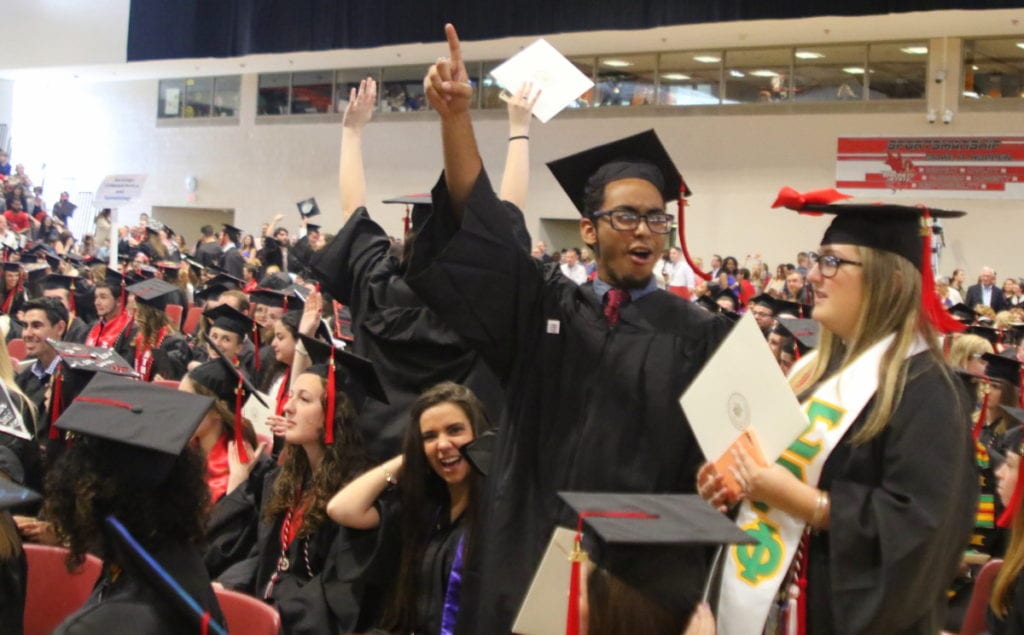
{"x":885,"y":525}
{"x":432,"y":511}
{"x":160,"y":352}
{"x":1006,"y":606}
{"x":130,"y":460}
{"x":297,"y":563}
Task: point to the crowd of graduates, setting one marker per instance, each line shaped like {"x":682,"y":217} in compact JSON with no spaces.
{"x":372,"y":435}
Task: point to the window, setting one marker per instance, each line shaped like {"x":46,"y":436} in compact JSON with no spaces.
{"x":312,"y":92}
{"x":198,"y":97}
{"x":690,"y":79}
{"x":758,"y":75}
{"x":401,"y":89}
{"x":994,"y":69}
{"x":829,"y":73}
{"x":273,"y":94}
{"x":346,"y":80}
{"x":625,"y":80}
{"x":897,"y":70}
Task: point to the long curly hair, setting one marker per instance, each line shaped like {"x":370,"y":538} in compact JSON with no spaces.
{"x":423,"y":494}
{"x":150,"y":322}
{"x":86,"y":484}
{"x":343,"y":460}
{"x":226,"y":414}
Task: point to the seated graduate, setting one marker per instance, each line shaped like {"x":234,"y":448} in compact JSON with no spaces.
{"x":13,"y":565}
{"x":289,"y":565}
{"x":868,"y":513}
{"x":1005,"y":614}
{"x":45,"y":319}
{"x":68,"y":289}
{"x":14,"y":295}
{"x":592,"y":372}
{"x":160,"y":352}
{"x":408,"y":343}
{"x":130,"y":459}
{"x":115,"y":325}
{"x":230,"y":329}
{"x":433,"y":511}
{"x":17,"y":429}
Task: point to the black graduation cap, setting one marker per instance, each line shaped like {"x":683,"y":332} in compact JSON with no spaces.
{"x":59,"y":281}
{"x":764,"y":300}
{"x":12,"y":265}
{"x":114,"y":278}
{"x":480,"y":450}
{"x":92,"y":359}
{"x":14,"y":495}
{"x":308,"y":208}
{"x":708,"y":302}
{"x":53,"y":260}
{"x":727,"y":293}
{"x":230,"y":384}
{"x":357,"y":377}
{"x":277,"y":281}
{"x":1011,"y":440}
{"x":194,"y":264}
{"x":36,"y":271}
{"x":648,"y":541}
{"x":274,"y":298}
{"x":34,"y":249}
{"x":962,"y":312}
{"x":795,"y":309}
{"x":148,"y":425}
{"x":168,"y":265}
{"x":159,"y":578}
{"x":230,"y":319}
{"x":639,"y":156}
{"x":804,"y":331}
{"x":234,"y":233}
{"x":311,"y":227}
{"x":417,"y":208}
{"x":1004,"y":368}
{"x":989,"y":333}
{"x":153,"y":292}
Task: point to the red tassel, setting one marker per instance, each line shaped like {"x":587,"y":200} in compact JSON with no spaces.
{"x":329,"y":419}
{"x":982,"y":416}
{"x":256,"y":343}
{"x":796,"y":201}
{"x":71,"y":297}
{"x":282,"y":394}
{"x":55,"y":402}
{"x":931,"y":306}
{"x":681,"y":205}
{"x":243,"y":456}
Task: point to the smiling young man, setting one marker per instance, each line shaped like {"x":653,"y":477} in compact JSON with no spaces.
{"x":45,"y":318}
{"x":593,"y":372}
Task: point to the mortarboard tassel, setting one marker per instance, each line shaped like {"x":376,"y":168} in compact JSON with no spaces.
{"x":329,"y":419}
{"x":406,"y":222}
{"x":681,"y":205}
{"x":243,"y":456}
{"x":930,"y":303}
{"x":982,"y":414}
{"x":55,"y":405}
{"x":71,"y":297}
{"x":796,"y":201}
{"x":256,"y":343}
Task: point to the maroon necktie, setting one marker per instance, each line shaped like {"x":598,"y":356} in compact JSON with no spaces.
{"x":613,"y":301}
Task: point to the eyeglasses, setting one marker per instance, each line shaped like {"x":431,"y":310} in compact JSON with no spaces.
{"x":762,"y":314}
{"x":829,"y":264}
{"x":627,"y":219}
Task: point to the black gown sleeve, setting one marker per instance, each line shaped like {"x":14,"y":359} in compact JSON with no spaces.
{"x":170,"y":361}
{"x":347,"y":260}
{"x":482,"y":281}
{"x":896,"y":543}
{"x":233,"y":525}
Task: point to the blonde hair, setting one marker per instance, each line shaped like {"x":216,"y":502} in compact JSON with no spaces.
{"x":7,"y":375}
{"x":1013,"y":562}
{"x":965,"y":346}
{"x":891,"y":305}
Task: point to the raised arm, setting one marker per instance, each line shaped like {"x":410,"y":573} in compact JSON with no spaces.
{"x":353,"y":505}
{"x":449,"y":93}
{"x":516,"y":180}
{"x":351,"y":177}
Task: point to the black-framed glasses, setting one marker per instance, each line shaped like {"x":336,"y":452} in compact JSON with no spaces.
{"x":828,"y":264}
{"x":627,"y":219}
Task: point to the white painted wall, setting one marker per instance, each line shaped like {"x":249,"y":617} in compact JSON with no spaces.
{"x":41,"y":33}
{"x":734,"y":163}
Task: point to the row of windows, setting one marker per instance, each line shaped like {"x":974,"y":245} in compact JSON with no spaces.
{"x":850,"y":72}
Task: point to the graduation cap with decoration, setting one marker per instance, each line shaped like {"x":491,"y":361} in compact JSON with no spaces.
{"x":147,"y":426}
{"x":153,"y":292}
{"x":308,"y":208}
{"x":804,"y":332}
{"x":899,"y":229}
{"x":78,"y":365}
{"x":417,"y":209}
{"x":640,"y":156}
{"x":231,"y":386}
{"x":344,"y":372}
{"x":645,"y":540}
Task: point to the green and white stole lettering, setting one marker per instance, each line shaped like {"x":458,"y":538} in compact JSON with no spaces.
{"x":753,"y":573}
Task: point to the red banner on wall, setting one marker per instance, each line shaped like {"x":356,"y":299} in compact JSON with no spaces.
{"x":934,"y":167}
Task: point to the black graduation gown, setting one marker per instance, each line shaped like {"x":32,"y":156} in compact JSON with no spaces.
{"x":589,"y":407}
{"x":77,"y":331}
{"x":901,"y":515}
{"x":1013,"y":622}
{"x":171,"y":358}
{"x":132,"y":603}
{"x":13,"y":585}
{"x":35,"y":389}
{"x":208,"y":253}
{"x":411,"y":347}
{"x":232,"y":262}
{"x":343,"y":593}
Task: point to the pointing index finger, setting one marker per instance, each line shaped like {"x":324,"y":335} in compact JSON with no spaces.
{"x":454,"y":46}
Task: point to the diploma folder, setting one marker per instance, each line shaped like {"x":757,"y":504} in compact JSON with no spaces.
{"x":742,"y":398}
{"x":558,"y":79}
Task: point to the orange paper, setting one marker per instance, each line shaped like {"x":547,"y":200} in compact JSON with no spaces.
{"x":746,"y":441}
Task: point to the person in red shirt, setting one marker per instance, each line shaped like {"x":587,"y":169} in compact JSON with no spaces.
{"x":17,"y":219}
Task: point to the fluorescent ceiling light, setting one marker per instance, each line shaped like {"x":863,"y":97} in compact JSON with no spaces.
{"x":809,"y":55}
{"x":764,"y":73}
{"x":736,"y":74}
{"x":1020,"y":45}
{"x":616,"y":63}
{"x":974,"y":67}
{"x":915,"y":50}
{"x":675,"y":77}
{"x":707,"y":59}
{"x":854,"y":70}
{"x":971,"y":94}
